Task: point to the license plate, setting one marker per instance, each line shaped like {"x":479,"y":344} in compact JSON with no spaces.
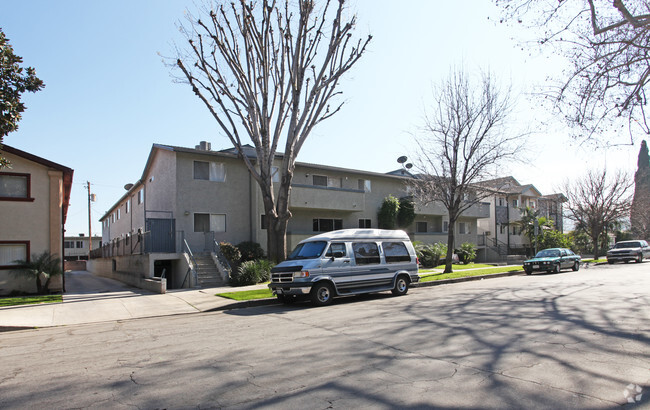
{"x":278,"y":291}
{"x":535,"y":266}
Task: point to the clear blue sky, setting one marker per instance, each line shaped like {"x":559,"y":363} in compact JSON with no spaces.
{"x":109,"y":97}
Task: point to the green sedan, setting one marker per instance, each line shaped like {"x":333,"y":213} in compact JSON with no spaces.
{"x":552,"y":260}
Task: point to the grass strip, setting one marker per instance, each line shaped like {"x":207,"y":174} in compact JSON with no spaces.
{"x":247,"y":294}
{"x":459,"y":267}
{"x":30,"y":300}
{"x":462,"y":274}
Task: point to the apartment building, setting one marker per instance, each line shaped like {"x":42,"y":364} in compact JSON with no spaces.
{"x":503,"y":229}
{"x":34,"y":198}
{"x":189,"y":198}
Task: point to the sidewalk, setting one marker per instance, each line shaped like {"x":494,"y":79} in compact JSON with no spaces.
{"x":92,"y":299}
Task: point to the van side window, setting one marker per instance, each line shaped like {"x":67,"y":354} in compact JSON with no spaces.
{"x":336,"y":247}
{"x":365,"y":252}
{"x":396,"y":252}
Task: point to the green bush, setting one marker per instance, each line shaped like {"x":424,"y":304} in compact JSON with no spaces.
{"x":466,"y":253}
{"x":250,"y":251}
{"x":405,"y":213}
{"x":387,"y":216}
{"x":251,"y":273}
{"x":231,"y":253}
{"x":430,"y":254}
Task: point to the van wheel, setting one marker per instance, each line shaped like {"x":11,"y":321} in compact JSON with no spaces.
{"x":401,"y":286}
{"x":321,"y":294}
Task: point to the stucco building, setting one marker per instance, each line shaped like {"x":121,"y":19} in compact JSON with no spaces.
{"x":189,"y":198}
{"x":503,"y":230}
{"x":34,"y":198}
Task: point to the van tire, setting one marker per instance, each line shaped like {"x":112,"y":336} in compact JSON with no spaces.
{"x":321,"y":294}
{"x":401,"y":286}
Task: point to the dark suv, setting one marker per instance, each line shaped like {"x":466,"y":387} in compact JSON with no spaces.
{"x":626,"y":251}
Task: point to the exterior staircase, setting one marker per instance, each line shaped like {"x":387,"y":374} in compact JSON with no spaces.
{"x":207,"y":271}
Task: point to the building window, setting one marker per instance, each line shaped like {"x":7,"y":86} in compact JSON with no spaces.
{"x":445,"y":226}
{"x":334,"y":182}
{"x":128,"y":206}
{"x":421,"y":227}
{"x":515,"y":203}
{"x":264,"y":223}
{"x":210,"y":171}
{"x":502,"y":228}
{"x":119,"y":214}
{"x":319,"y":180}
{"x":396,"y":252}
{"x":365,"y":252}
{"x":11,"y":252}
{"x":209,"y":222}
{"x":275,"y":174}
{"x":462,"y":228}
{"x":365,"y":185}
{"x":140,"y":196}
{"x":501,"y":202}
{"x":326,"y":225}
{"x":68,"y":245}
{"x":15,"y":187}
{"x":365,"y":223}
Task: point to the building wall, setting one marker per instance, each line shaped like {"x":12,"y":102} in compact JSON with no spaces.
{"x":40,"y":222}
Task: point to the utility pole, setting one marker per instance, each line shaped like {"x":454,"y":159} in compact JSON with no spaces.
{"x":91,"y":197}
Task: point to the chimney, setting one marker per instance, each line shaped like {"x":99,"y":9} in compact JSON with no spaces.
{"x":204,"y":146}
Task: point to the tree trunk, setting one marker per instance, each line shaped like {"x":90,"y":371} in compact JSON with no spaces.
{"x":596,"y":246}
{"x":276,"y":235}
{"x":450,"y":248}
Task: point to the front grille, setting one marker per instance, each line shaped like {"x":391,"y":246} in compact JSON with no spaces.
{"x":282,"y":277}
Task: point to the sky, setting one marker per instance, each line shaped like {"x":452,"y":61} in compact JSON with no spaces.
{"x":110,"y":94}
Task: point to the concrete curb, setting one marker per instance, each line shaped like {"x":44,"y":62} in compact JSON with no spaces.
{"x":274,"y":301}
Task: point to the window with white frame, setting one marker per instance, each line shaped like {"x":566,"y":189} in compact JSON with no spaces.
{"x":204,"y":222}
{"x":12,"y":252}
{"x":210,"y":171}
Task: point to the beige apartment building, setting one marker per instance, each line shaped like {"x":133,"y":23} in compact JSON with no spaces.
{"x":503,"y":230}
{"x":34,"y":198}
{"x":188,"y":199}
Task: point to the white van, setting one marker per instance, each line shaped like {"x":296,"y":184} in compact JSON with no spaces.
{"x":346,"y":262}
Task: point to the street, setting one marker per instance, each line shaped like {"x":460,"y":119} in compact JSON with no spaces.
{"x":569,"y":340}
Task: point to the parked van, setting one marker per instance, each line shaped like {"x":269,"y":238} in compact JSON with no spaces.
{"x":346,"y":262}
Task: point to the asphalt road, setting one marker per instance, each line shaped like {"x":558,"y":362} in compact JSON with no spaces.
{"x":568,"y":340}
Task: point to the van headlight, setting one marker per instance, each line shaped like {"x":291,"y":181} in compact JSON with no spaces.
{"x":301,"y":274}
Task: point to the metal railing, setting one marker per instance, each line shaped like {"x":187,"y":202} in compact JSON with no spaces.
{"x":191,"y":270}
{"x":221,"y":259}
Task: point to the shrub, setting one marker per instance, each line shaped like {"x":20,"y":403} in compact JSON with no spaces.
{"x":466,"y":253}
{"x":250,"y":251}
{"x":387,"y":216}
{"x":231,"y":253}
{"x":430,"y":254}
{"x":405,"y":213}
{"x":251,"y":272}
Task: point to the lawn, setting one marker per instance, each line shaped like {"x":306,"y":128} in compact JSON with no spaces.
{"x":461,"y":273}
{"x":247,"y":294}
{"x":459,"y":267}
{"x":30,"y":300}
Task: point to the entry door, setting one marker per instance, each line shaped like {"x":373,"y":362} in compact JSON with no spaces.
{"x":161,"y":235}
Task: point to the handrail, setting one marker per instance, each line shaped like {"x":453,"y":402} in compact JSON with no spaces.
{"x":189,"y":270}
{"x":221,"y":257}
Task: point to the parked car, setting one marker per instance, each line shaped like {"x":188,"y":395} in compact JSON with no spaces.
{"x":626,"y":251}
{"x":346,"y":262}
{"x":552,"y":260}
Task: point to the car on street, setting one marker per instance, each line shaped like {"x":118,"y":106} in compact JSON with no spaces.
{"x":626,"y":251}
{"x":552,"y":260}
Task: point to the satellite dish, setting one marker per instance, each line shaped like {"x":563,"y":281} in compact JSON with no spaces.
{"x":402,"y":159}
{"x":128,"y":186}
{"x":408,"y":166}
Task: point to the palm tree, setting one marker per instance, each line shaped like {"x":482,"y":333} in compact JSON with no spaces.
{"x":527,"y":222}
{"x":43,"y":266}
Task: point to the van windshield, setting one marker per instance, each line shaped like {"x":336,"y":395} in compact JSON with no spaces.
{"x":308,"y":250}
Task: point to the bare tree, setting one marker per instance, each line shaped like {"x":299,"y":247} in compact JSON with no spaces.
{"x":606,"y":43}
{"x":268,"y":71}
{"x":464,"y":141}
{"x":596,"y":202}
